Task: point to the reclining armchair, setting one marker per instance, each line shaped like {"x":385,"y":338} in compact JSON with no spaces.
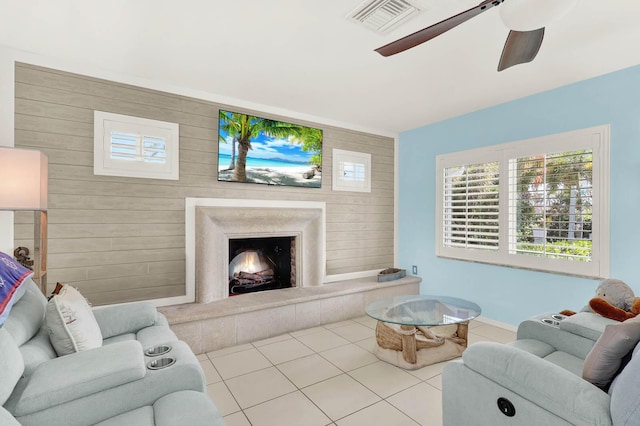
{"x":118,"y":383}
{"x":538,"y":379}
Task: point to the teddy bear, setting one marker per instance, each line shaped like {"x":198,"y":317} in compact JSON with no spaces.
{"x":614,"y":299}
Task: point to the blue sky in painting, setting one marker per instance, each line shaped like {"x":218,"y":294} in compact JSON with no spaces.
{"x":269,"y":148}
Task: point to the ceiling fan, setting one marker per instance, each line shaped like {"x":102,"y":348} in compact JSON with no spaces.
{"x":526,"y":20}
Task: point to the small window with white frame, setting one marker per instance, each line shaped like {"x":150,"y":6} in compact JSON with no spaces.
{"x":351,"y":171}
{"x":135,"y":147}
{"x":539,"y":204}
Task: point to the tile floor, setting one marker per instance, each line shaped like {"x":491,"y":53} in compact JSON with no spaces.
{"x":326,"y":375}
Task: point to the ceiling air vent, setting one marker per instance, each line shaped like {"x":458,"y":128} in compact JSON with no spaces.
{"x":383,"y":15}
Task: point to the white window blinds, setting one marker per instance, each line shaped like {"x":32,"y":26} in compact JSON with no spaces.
{"x":138,"y":147}
{"x":135,"y":147}
{"x":551,"y":205}
{"x":471,"y":206}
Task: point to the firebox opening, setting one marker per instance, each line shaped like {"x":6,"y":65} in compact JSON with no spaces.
{"x":259,"y":264}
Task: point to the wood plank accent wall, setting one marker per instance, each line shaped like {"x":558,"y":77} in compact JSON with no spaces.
{"x":122,"y":239}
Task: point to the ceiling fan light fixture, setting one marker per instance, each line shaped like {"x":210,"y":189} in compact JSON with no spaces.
{"x":528,"y":15}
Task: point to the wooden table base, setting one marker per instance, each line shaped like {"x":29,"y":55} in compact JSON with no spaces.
{"x":420,"y":346}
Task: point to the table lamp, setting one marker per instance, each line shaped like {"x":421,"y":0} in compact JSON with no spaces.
{"x":23,"y":186}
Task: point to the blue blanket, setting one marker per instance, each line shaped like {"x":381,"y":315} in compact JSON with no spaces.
{"x":12,"y":276}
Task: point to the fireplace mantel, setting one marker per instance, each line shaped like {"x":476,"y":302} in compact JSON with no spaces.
{"x":211,"y":222}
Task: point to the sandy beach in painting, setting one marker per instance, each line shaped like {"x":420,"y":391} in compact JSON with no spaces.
{"x":276,"y":176}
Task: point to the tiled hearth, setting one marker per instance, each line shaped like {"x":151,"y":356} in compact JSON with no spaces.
{"x":217,"y":321}
{"x":246,"y":318}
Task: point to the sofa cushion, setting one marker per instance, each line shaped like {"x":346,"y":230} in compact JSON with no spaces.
{"x":11,"y":365}
{"x":605,"y":359}
{"x":27,"y":315}
{"x":12,"y":277}
{"x":625,"y":393}
{"x":6,"y":419}
{"x":36,"y":351}
{"x":567,"y":361}
{"x":70,"y":322}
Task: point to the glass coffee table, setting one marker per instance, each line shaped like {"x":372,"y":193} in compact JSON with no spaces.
{"x":419,"y":330}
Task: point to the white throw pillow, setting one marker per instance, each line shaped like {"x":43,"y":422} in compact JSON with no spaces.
{"x":70,"y":323}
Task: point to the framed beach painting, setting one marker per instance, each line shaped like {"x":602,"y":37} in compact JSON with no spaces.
{"x":253,"y":149}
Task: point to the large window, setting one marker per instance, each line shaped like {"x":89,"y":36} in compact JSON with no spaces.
{"x":540,"y":204}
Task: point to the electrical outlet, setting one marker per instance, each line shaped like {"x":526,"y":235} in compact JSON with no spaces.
{"x":414,"y":269}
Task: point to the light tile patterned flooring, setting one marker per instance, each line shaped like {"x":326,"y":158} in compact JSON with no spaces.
{"x":326,"y":375}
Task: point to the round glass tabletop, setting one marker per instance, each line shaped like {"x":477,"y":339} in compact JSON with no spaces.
{"x":423,"y":310}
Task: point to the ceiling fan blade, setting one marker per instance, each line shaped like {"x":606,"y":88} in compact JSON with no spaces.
{"x":435,"y":30}
{"x":521,"y":47}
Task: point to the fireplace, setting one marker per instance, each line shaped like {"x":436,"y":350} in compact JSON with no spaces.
{"x":259,"y":264}
{"x":211,"y":224}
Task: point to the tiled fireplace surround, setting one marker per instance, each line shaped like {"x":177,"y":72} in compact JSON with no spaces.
{"x":215,"y":320}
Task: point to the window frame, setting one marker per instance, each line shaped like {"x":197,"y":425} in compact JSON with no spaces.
{"x":595,"y":138}
{"x":342,"y":157}
{"x":104,"y":165}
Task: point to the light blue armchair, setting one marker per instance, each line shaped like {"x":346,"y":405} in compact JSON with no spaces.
{"x":108,"y":385}
{"x":537,"y":380}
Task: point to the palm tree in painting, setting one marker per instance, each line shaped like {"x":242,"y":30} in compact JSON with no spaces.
{"x":244,"y":127}
{"x":232,"y":163}
{"x":230,"y":131}
{"x":311,"y":140}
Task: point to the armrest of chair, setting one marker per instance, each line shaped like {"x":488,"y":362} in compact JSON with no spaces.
{"x":80,"y":374}
{"x":122,"y":319}
{"x":541,"y":382}
{"x":575,"y":335}
{"x":586,"y":324}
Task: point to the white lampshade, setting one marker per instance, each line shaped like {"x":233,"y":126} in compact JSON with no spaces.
{"x":23,"y":179}
{"x":528,"y":15}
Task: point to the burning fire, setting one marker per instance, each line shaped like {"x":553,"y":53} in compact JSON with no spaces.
{"x":250,"y":261}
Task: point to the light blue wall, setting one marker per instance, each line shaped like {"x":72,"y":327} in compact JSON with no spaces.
{"x":506,"y":294}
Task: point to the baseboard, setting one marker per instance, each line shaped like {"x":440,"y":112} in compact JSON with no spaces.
{"x":495,"y":323}
{"x":350,"y":276}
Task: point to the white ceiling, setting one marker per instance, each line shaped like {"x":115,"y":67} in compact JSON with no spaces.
{"x":304,"y":56}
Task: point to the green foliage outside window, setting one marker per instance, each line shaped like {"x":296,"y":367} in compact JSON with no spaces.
{"x":554,"y":201}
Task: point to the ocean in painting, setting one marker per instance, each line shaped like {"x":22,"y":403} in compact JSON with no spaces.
{"x":273,"y":172}
{"x":225,"y":159}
